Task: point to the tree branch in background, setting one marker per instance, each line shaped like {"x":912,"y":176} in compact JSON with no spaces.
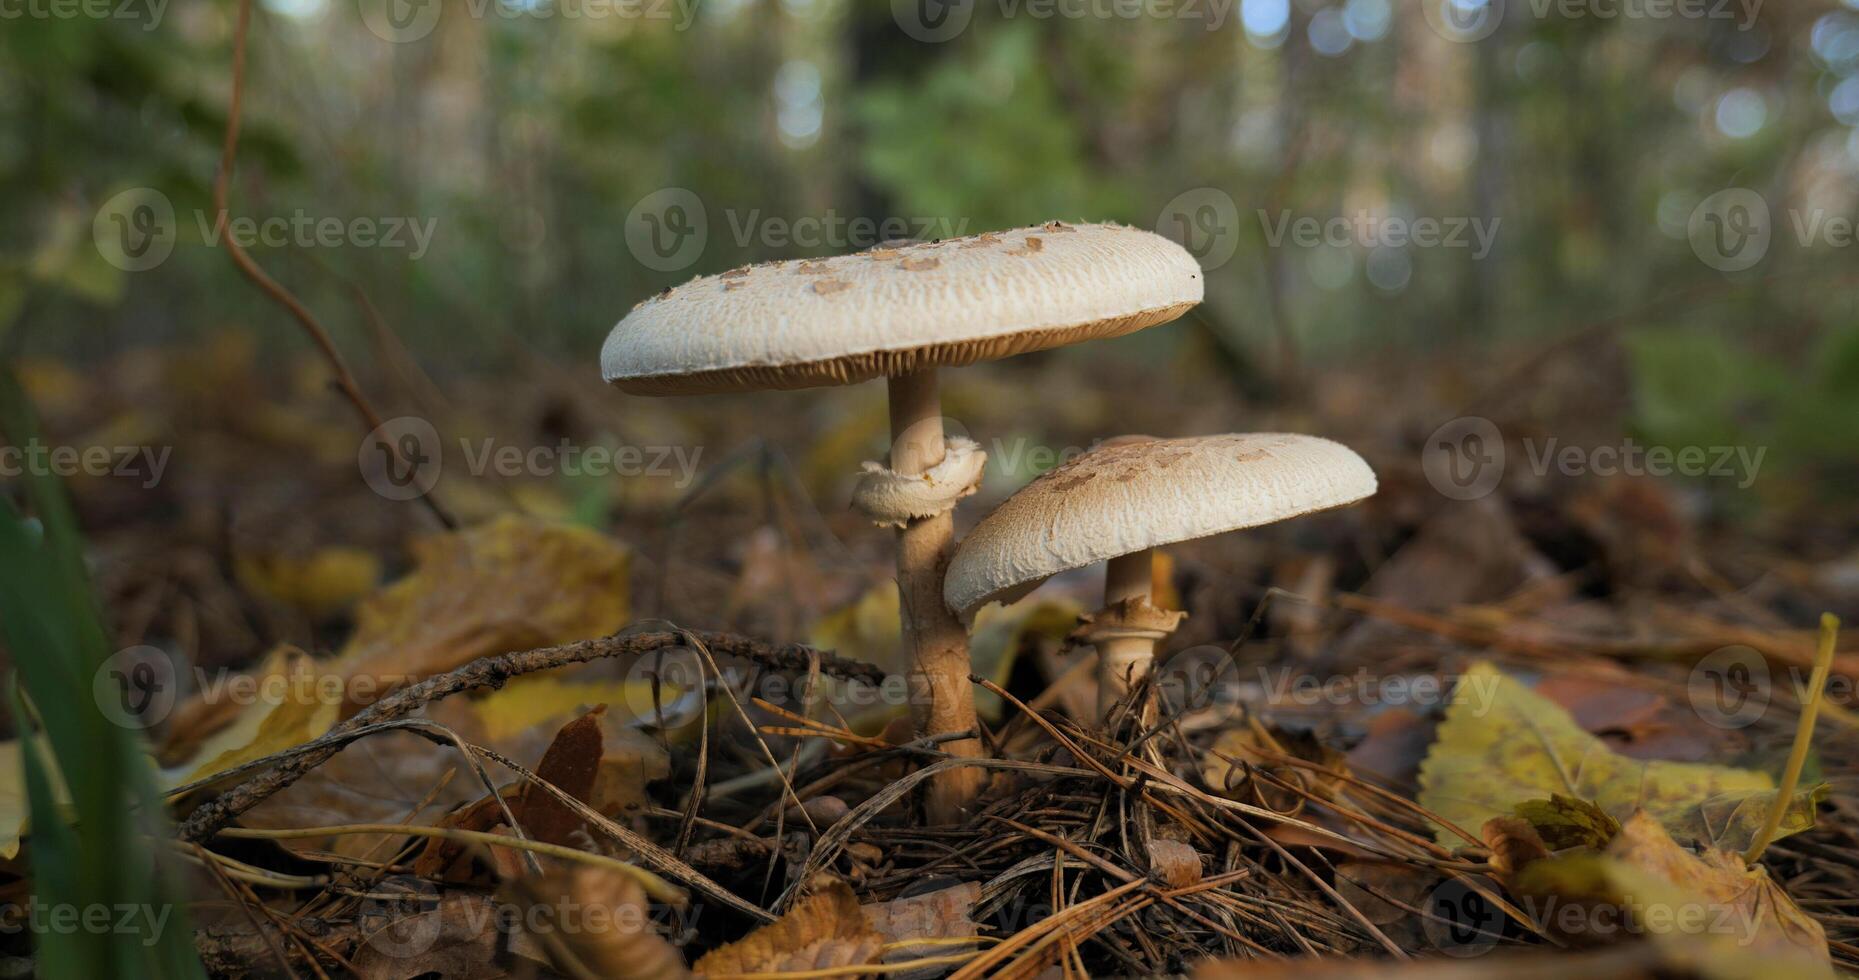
{"x":222,"y":183}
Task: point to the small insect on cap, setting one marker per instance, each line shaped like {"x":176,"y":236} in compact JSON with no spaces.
{"x":891,"y":310}
{"x":1136,"y":493}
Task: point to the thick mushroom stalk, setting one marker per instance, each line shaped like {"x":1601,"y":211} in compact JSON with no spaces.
{"x":1127,"y":629}
{"x":941,"y":699}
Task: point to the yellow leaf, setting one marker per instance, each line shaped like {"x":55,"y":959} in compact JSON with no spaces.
{"x":14,"y":808}
{"x":322,"y":584}
{"x":823,"y":930}
{"x":1643,"y":882}
{"x":623,"y":946}
{"x":539,"y":698}
{"x":512,"y":584}
{"x":291,"y":702}
{"x":1503,"y":744}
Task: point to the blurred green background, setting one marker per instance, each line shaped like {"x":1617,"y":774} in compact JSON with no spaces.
{"x":532,"y":137}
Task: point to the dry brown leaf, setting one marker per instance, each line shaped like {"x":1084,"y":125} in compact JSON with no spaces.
{"x":571,"y":764}
{"x":290,"y":702}
{"x":940,"y":914}
{"x":825,"y":929}
{"x":456,"y":940}
{"x":592,"y":922}
{"x":1177,"y":863}
{"x":1644,"y":884}
{"x":1619,"y":963}
{"x":513,"y":584}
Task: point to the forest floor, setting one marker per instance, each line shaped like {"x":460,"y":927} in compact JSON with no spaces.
{"x":634,"y":710}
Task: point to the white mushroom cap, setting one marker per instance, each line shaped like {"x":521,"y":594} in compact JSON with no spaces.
{"x":892,"y":310}
{"x":1135,"y":493}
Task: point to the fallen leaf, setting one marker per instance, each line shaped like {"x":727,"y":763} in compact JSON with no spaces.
{"x":13,"y":805}
{"x":940,"y":914}
{"x":1177,"y":863}
{"x":593,"y":922}
{"x":1641,"y":962}
{"x":536,"y":699}
{"x":512,"y":584}
{"x":402,"y":939}
{"x":1644,"y":883}
{"x":571,"y":765}
{"x":288,"y":702}
{"x":321,"y":584}
{"x":577,"y":763}
{"x":1503,"y":744}
{"x":823,"y":930}
{"x":1563,"y":822}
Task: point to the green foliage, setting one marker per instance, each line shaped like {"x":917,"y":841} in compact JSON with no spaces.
{"x":100,"y":852}
{"x":1699,"y":388}
{"x":984,"y":136}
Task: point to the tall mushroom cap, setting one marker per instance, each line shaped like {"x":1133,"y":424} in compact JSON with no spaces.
{"x":1131,"y":494}
{"x":891,"y":310}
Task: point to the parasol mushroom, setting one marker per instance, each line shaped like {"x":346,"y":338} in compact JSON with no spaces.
{"x":900,"y":313}
{"x":1129,"y":496}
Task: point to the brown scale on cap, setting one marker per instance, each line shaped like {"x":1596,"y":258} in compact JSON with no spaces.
{"x":827,"y":287}
{"x":981,"y":304}
{"x":1119,"y":502}
{"x":1135,"y":493}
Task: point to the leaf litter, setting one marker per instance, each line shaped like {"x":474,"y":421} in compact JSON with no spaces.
{"x":1237,"y":832}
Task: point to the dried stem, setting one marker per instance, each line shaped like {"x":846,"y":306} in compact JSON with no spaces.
{"x":1803,"y":736}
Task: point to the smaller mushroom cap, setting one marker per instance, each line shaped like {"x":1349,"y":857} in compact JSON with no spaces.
{"x":896,"y":309}
{"x":1138,"y":492}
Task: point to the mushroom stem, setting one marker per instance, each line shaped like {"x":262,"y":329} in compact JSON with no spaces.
{"x":1123,"y":659}
{"x":941,"y":699}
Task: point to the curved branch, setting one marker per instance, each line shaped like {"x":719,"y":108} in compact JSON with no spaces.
{"x":492,"y":672}
{"x":222,"y":181}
